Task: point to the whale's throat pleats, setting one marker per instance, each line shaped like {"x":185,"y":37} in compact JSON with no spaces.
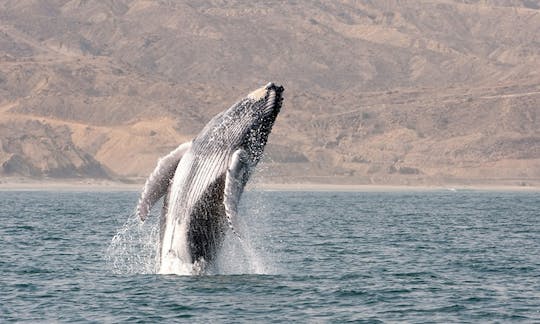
{"x":207,"y":222}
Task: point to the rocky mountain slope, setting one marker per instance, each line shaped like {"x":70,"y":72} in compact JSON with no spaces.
{"x":385,"y":92}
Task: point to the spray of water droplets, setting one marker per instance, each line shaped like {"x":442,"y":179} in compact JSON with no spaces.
{"x":133,"y":249}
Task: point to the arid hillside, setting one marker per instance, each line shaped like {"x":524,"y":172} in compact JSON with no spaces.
{"x":377,"y":92}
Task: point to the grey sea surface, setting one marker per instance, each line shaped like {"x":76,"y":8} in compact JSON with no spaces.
{"x":437,"y":256}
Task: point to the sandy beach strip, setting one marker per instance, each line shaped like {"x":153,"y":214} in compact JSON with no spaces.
{"x":82,"y":185}
{"x":105,"y":185}
{"x":387,"y":188}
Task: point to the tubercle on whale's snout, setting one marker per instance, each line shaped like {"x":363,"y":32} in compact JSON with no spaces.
{"x":263,"y":92}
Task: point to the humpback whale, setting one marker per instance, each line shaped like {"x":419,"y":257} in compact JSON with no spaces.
{"x":201,"y":182}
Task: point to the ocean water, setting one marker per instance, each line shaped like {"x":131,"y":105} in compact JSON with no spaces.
{"x":441,"y":256}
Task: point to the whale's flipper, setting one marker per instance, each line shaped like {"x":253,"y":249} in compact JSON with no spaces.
{"x":157,"y":183}
{"x":235,"y":180}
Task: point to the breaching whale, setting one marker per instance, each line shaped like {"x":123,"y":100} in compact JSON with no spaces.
{"x":202,"y":182}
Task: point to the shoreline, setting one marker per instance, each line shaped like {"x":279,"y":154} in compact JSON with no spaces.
{"x":105,"y":185}
{"x":389,"y":187}
{"x":69,"y":186}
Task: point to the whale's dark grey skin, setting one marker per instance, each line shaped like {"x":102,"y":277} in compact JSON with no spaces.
{"x":202,"y":181}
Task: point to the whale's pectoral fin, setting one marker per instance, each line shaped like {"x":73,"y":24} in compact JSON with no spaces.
{"x":235,"y":180}
{"x":157,"y":183}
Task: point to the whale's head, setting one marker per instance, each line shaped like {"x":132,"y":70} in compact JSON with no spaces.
{"x":266,"y":102}
{"x":263,"y":106}
{"x":248,"y":123}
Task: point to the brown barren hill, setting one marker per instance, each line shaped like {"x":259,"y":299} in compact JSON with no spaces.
{"x":377,"y":92}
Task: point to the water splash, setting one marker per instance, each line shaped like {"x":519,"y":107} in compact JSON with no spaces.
{"x":133,"y":250}
{"x":253,"y":254}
